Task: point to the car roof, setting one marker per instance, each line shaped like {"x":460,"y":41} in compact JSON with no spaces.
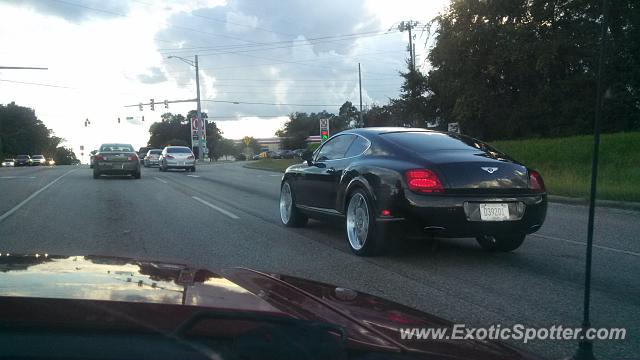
{"x":116,"y":144}
{"x":176,"y":146}
{"x":384,"y":130}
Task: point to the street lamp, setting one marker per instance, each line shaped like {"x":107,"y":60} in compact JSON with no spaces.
{"x":199,"y":109}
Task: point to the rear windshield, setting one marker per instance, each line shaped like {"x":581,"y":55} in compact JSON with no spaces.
{"x":179,"y":150}
{"x":155,"y":152}
{"x":38,"y":157}
{"x":422,"y":142}
{"x":22,"y":157}
{"x":116,"y":147}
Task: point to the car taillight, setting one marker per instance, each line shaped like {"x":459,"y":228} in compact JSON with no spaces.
{"x":132,"y":157}
{"x":98,"y":158}
{"x":535,"y":181}
{"x":190,"y":157}
{"x":169,"y":156}
{"x":423,"y":180}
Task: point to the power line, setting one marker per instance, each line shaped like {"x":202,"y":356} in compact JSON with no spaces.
{"x":38,"y":84}
{"x":305,"y":41}
{"x":265,"y":103}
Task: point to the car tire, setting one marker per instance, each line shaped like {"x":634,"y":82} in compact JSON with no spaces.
{"x":96,"y":174}
{"x":364,"y":236}
{"x":502,"y":243}
{"x":290,"y":215}
{"x":137,"y":174}
{"x":193,"y":169}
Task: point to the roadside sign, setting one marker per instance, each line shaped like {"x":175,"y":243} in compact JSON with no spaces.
{"x":453,"y":127}
{"x":81,"y":147}
{"x":324,"y":129}
{"x":195,"y":132}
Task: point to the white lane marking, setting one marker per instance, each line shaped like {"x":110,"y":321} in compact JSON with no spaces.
{"x":162,"y":181}
{"x":21,"y":204}
{"x":229,"y":214}
{"x":195,"y":176}
{"x":627,"y":252}
{"x":17,"y":177}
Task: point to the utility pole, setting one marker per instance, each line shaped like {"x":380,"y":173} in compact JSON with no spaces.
{"x":409,"y":25}
{"x":360,"y":85}
{"x":202,"y":131}
{"x":201,"y":140}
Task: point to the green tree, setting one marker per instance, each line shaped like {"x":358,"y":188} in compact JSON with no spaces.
{"x":251,"y":144}
{"x":64,"y":156}
{"x":410,"y":109}
{"x":509,"y":69}
{"x":302,"y":125}
{"x":21,"y":132}
{"x":349,"y":115}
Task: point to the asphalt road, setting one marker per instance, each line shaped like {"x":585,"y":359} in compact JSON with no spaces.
{"x":226,"y":215}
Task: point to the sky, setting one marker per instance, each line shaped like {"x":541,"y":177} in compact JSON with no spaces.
{"x":286,"y":55}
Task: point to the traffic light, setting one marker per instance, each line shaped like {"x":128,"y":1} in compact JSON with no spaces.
{"x":118,"y":120}
{"x":166,"y":104}
{"x":324,"y":135}
{"x":153,"y":105}
{"x":140,"y":106}
{"x":142,"y":117}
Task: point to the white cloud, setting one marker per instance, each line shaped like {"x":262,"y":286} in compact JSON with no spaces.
{"x":112,"y":60}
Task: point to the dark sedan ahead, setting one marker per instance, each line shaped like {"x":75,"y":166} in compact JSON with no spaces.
{"x":388,"y":183}
{"x":116,"y":159}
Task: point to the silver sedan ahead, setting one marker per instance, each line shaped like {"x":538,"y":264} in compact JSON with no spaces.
{"x":177,"y":157}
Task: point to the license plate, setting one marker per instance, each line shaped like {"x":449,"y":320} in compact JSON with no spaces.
{"x":494,"y":212}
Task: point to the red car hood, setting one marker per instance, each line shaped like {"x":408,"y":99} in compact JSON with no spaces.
{"x":143,"y":288}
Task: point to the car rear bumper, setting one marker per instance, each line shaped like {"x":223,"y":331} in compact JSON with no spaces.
{"x":452,"y":216}
{"x":116,"y":167}
{"x":180,"y":164}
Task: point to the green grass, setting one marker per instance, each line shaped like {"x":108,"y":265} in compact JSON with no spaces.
{"x":272,"y":164}
{"x":565,"y":164}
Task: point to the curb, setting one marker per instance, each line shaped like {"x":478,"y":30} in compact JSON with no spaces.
{"x":624,"y":205}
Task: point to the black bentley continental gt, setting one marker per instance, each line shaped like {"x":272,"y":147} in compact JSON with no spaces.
{"x":388,"y":183}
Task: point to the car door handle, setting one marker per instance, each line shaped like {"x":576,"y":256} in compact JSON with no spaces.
{"x":330,"y":171}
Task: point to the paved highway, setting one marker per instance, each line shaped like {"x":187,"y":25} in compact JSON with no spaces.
{"x":226,"y":215}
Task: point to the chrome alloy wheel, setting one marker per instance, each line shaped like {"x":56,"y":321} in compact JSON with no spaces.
{"x":286,"y":203}
{"x":357,"y":221}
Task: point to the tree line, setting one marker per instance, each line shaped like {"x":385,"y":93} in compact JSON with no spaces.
{"x":22,"y":133}
{"x":510,"y":69}
{"x":175,"y":129}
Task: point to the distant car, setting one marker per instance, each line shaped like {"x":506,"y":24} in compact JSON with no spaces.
{"x":177,"y":157}
{"x":37,"y":160}
{"x":152,"y":158}
{"x":287,"y":154}
{"x":8,"y":162}
{"x":116,"y":159}
{"x":274,"y":155}
{"x":23,"y":160}
{"x":390,"y":182}
{"x":256,"y":157}
{"x":241,"y":157}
